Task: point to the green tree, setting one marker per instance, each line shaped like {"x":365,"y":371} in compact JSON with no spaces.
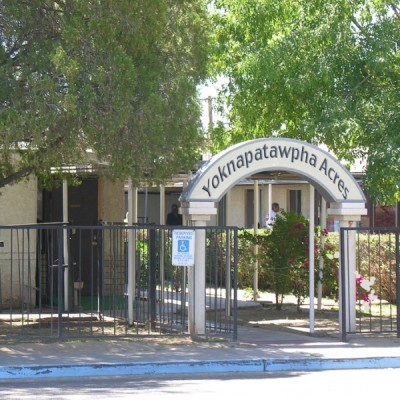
{"x":113,"y":78}
{"x":321,"y":71}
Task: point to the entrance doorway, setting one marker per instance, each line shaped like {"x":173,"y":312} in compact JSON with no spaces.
{"x":319,"y":168}
{"x":82,"y":211}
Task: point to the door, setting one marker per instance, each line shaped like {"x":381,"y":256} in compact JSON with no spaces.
{"x":83,"y":242}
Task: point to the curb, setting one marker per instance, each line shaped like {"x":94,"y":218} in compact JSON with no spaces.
{"x":187,"y":367}
{"x":324,"y":364}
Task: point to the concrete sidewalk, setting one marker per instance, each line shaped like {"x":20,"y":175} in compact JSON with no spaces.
{"x":256,"y":350}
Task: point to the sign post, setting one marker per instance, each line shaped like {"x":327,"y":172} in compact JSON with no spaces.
{"x":183,"y":247}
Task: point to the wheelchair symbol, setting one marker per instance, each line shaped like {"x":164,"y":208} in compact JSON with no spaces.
{"x":183,"y":246}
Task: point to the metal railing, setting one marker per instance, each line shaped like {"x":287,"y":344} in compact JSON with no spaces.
{"x":62,"y":281}
{"x":376,"y":284}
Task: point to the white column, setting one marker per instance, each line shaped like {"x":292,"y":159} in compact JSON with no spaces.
{"x":132,"y":218}
{"x":311,"y":258}
{"x":197,"y":284}
{"x":348,"y":214}
{"x":256,"y":219}
{"x":65,"y":239}
{"x":162,"y":237}
{"x":197,"y":214}
{"x":322,"y":244}
{"x":349,"y":250}
{"x":162,"y":205}
{"x":269,"y":199}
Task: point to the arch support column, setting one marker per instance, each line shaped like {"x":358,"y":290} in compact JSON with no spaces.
{"x":348,"y":214}
{"x":197,"y":214}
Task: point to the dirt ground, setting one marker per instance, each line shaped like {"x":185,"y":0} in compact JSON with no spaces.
{"x":265,"y":315}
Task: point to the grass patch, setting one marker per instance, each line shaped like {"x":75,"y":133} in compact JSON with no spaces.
{"x":379,"y":310}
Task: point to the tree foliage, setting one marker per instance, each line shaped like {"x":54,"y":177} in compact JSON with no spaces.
{"x":321,"y":71}
{"x":117,"y":78}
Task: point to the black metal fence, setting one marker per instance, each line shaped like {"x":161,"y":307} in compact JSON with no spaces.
{"x":61,"y":281}
{"x":375,"y":288}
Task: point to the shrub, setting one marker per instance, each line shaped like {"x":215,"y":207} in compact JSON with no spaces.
{"x":329,"y":275}
{"x":283,"y":260}
{"x":283,"y":256}
{"x":246,"y":262}
{"x":375,"y":259}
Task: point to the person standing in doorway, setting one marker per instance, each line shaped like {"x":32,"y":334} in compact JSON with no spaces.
{"x":174,"y":218}
{"x":270,"y":218}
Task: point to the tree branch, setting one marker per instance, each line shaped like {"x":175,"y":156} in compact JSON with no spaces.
{"x":395,"y":9}
{"x":360,"y":28}
{"x":23,"y":173}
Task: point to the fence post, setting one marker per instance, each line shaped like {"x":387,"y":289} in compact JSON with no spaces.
{"x":397,"y":284}
{"x":60,"y":271}
{"x":235,"y":283}
{"x":342,"y":286}
{"x":152,"y":277}
{"x":228,"y":282}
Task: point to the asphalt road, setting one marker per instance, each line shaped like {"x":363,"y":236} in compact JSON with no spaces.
{"x":327,"y":385}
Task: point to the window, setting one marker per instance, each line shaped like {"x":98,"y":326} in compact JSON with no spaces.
{"x":222,"y":212}
{"x":295,"y":201}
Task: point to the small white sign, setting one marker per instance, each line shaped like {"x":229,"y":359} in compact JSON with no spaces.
{"x":183,"y":247}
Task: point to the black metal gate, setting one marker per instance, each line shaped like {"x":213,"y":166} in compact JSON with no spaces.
{"x":65,"y":281}
{"x":376,"y":284}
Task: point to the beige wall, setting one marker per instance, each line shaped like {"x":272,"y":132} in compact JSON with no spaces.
{"x":236,"y":206}
{"x":18,"y":203}
{"x":111,"y":201}
{"x":280,"y":194}
{"x":236,"y":201}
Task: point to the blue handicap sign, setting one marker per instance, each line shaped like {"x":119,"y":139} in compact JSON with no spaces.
{"x":183,"y":246}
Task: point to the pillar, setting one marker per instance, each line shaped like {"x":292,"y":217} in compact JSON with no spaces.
{"x":67,"y":300}
{"x":322,"y":244}
{"x":311,"y":239}
{"x":197,"y":214}
{"x":348,"y":214}
{"x":132,"y":219}
{"x":256,"y":219}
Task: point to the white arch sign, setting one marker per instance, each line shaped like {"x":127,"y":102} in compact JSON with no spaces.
{"x":318,"y":167}
{"x":323,"y":171}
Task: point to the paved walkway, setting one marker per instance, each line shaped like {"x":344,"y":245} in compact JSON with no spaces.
{"x":257,"y":349}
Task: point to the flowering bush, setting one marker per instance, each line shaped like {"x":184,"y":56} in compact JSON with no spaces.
{"x":283,"y":262}
{"x":364,"y":294}
{"x":329,"y":275}
{"x":283,"y":256}
{"x":246,"y":262}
